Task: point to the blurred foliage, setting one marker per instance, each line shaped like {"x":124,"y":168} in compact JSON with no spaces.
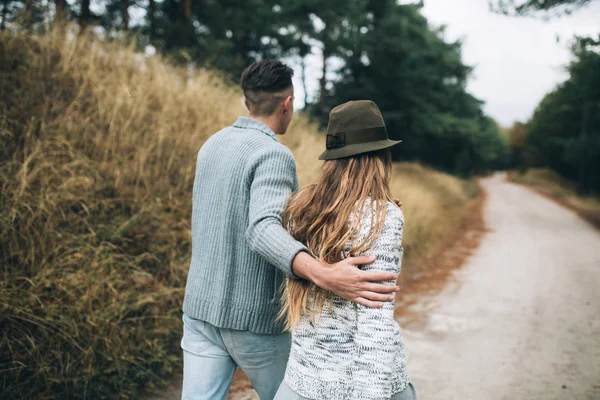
{"x":564,"y":132}
{"x":418,"y":80}
{"x":534,"y":7}
{"x":517,"y":137}
{"x":386,"y":52}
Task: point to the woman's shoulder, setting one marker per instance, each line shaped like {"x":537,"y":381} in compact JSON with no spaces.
{"x":393,"y":211}
{"x":394,"y":217}
{"x":393,"y":214}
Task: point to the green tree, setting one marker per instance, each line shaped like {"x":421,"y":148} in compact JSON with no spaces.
{"x":7,"y":12}
{"x":25,"y":14}
{"x":61,"y":10}
{"x":116,"y":16}
{"x":418,"y":80}
{"x":532,"y":7}
{"x":337,"y":29}
{"x":226,"y":35}
{"x":517,"y":137}
{"x":84,"y":14}
{"x":564,"y":132}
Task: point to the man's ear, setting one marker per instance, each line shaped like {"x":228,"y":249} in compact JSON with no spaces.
{"x":246,"y":104}
{"x":287,"y":104}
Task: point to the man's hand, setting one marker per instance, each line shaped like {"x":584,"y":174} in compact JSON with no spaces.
{"x":398,"y":202}
{"x":347,"y":281}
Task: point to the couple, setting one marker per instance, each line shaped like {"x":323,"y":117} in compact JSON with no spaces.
{"x":252,"y":231}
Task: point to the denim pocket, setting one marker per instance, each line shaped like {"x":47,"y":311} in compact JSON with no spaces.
{"x":194,"y":338}
{"x":255,"y":350}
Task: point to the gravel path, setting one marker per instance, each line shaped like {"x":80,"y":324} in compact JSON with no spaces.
{"x":522,"y":318}
{"x":520,"y":321}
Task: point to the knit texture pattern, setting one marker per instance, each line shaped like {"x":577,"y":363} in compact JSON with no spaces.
{"x":353,"y":352}
{"x":240,"y":251}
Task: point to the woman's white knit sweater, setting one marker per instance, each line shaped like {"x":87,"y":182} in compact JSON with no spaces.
{"x":352,"y":352}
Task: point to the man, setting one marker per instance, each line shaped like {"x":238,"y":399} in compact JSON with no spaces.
{"x":241,"y":252}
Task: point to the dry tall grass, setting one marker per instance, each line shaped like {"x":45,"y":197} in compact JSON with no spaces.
{"x":434,"y":204}
{"x":96,"y":170}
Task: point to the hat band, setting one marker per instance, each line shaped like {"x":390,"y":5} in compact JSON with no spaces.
{"x":358,"y":136}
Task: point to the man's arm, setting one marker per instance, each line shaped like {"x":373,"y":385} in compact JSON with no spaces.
{"x":273,"y":181}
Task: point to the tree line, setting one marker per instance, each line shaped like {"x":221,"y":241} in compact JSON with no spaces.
{"x":388,"y":52}
{"x":564,"y":131}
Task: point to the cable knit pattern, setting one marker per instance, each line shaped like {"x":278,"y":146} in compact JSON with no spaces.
{"x":240,"y":251}
{"x":353,"y":352}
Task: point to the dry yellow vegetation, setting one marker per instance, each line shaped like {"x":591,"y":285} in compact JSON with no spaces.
{"x":551,"y":184}
{"x":96,"y":171}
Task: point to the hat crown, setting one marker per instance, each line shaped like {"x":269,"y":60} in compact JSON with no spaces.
{"x":354,"y":128}
{"x":355,"y":115}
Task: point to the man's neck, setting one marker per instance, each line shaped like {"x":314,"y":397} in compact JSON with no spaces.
{"x":268,"y":121}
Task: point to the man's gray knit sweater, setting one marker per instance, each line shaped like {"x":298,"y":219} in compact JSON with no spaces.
{"x":240,"y":251}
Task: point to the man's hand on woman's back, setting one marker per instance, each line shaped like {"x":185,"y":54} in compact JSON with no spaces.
{"x":346,"y":280}
{"x":349,"y":282}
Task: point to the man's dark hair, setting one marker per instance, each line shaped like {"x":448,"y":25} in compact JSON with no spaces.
{"x":263,"y":83}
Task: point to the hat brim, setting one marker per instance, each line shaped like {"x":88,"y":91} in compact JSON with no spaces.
{"x":354,"y":149}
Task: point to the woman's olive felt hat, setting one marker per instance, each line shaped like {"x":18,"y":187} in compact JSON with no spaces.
{"x":355,"y":127}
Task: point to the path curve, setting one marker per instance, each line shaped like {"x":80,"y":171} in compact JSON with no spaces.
{"x":521,"y":319}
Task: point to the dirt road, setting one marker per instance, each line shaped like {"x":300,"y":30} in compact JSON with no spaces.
{"x":522,"y":318}
{"x":519,"y":321}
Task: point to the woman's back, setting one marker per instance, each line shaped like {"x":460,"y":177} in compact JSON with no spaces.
{"x":350,"y":351}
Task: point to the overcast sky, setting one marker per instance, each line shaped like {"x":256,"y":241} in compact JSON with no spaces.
{"x":517,"y":60}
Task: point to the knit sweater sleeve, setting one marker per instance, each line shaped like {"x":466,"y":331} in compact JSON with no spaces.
{"x":377,"y":332}
{"x":272,"y":179}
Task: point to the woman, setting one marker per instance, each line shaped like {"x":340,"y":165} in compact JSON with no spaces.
{"x":340,"y":349}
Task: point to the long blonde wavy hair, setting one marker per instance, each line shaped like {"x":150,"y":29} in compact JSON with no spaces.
{"x":326,"y":215}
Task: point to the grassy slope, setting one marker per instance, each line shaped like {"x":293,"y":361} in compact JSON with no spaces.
{"x":96,"y":170}
{"x":562,"y":190}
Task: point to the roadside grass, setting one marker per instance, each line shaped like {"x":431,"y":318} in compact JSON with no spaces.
{"x":434,"y":205}
{"x":96,"y":171}
{"x":564,"y":191}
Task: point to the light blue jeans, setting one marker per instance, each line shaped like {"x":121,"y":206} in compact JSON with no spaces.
{"x":211,"y":355}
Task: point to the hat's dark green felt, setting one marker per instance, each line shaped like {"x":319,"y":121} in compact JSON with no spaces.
{"x":355,"y":127}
